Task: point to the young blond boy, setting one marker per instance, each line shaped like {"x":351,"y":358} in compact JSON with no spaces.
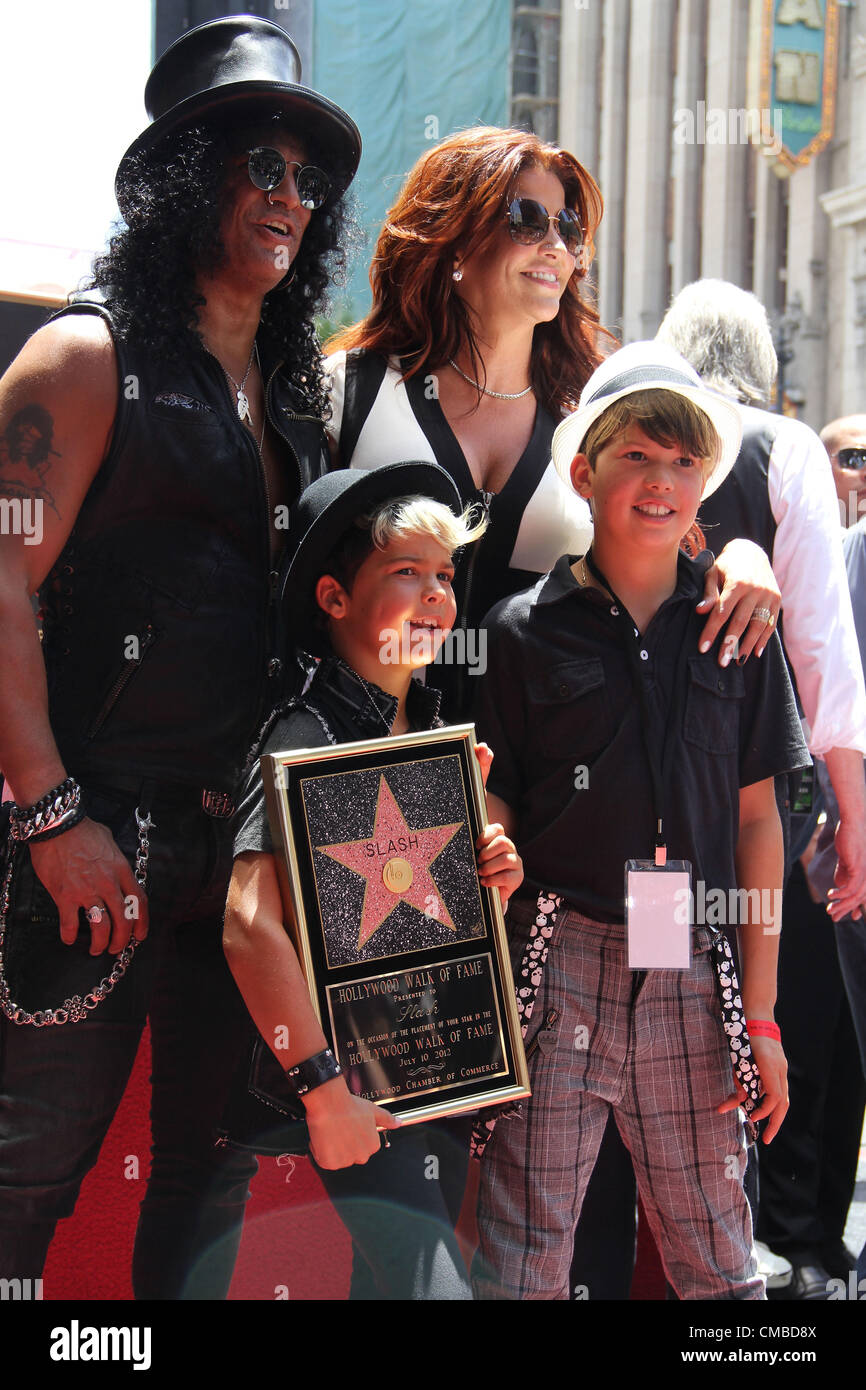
{"x":369,"y":588}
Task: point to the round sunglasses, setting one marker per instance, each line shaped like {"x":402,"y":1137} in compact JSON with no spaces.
{"x":528,"y":221}
{"x":267,"y":169}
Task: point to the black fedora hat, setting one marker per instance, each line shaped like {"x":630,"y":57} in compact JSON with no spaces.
{"x":325,"y":511}
{"x":243,"y":62}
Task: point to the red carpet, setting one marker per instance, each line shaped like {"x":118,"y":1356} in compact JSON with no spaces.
{"x":293,"y":1245}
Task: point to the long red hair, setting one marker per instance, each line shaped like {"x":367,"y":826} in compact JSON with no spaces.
{"x":451,"y":205}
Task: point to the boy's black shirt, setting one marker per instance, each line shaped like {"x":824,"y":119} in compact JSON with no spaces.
{"x":559,"y":709}
{"x":352,"y":709}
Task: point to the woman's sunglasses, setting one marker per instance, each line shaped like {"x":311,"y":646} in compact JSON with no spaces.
{"x":528,"y":221}
{"x":267,"y":169}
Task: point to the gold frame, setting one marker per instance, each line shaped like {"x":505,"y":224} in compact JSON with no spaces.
{"x":289,"y":870}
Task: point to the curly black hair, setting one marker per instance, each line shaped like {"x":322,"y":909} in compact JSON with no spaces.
{"x":173,"y":195}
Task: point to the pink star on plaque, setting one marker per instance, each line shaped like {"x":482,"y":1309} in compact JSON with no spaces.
{"x":395,"y":861}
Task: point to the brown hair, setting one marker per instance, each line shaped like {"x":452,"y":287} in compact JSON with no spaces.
{"x":452,"y":204}
{"x":666,"y":416}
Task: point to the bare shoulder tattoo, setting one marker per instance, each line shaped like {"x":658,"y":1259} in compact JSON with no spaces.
{"x":27,"y":441}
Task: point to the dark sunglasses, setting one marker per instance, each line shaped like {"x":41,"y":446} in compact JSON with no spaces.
{"x":528,"y":221}
{"x":852,"y":458}
{"x":267,"y":169}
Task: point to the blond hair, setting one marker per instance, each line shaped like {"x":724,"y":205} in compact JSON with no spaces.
{"x":408,"y":516}
{"x":395,"y":520}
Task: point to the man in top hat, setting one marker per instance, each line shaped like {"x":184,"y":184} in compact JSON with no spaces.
{"x":181,"y":400}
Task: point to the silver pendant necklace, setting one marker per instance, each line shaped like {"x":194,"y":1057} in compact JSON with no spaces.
{"x":497,"y":395}
{"x":243,"y":400}
{"x":243,"y":403}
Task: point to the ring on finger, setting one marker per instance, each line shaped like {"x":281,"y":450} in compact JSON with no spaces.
{"x":95,"y":914}
{"x":764,"y":615}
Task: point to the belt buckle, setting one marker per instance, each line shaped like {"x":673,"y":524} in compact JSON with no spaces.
{"x":218,"y":804}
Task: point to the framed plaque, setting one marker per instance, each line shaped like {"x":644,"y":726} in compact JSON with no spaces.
{"x":403,"y":949}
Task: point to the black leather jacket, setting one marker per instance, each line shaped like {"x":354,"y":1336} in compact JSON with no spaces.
{"x":160,"y":629}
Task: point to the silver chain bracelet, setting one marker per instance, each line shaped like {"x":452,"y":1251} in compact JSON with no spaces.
{"x":75,"y":1009}
{"x":48,"y":813}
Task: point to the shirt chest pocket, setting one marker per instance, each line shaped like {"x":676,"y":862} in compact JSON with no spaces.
{"x":713,"y":703}
{"x":570,"y":709}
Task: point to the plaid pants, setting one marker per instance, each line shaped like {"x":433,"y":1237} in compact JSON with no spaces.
{"x":652,"y":1047}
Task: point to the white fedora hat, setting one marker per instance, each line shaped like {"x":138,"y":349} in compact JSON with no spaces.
{"x":649,"y":366}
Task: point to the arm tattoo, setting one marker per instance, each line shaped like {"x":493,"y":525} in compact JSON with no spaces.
{"x":27,"y":440}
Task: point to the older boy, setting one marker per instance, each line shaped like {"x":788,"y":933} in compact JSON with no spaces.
{"x":617,"y":741}
{"x":373,"y":562}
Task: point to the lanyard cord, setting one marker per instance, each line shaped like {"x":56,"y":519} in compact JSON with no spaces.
{"x":660,"y":770}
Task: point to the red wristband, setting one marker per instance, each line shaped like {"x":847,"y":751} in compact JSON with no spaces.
{"x":763,"y":1028}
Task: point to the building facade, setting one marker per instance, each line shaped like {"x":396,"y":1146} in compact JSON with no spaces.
{"x":662,"y":101}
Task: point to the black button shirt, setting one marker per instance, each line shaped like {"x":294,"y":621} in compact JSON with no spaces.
{"x":560,"y":711}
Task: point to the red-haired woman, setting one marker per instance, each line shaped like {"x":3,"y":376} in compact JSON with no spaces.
{"x":481,"y":336}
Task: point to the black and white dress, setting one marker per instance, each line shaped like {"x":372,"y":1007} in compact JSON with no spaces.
{"x":376,"y":419}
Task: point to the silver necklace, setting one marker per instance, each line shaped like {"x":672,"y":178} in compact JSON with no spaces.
{"x":244,"y":412}
{"x":243,"y":401}
{"x":497,"y":395}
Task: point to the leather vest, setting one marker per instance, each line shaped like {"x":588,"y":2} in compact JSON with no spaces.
{"x":741,"y":506}
{"x":160,"y":631}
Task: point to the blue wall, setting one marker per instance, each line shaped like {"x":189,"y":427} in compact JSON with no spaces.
{"x":409,"y":72}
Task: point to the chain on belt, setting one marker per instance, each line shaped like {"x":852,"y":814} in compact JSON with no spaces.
{"x":75,"y":1009}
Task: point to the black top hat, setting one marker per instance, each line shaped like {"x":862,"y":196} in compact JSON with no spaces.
{"x":244,"y":60}
{"x":327,"y":508}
